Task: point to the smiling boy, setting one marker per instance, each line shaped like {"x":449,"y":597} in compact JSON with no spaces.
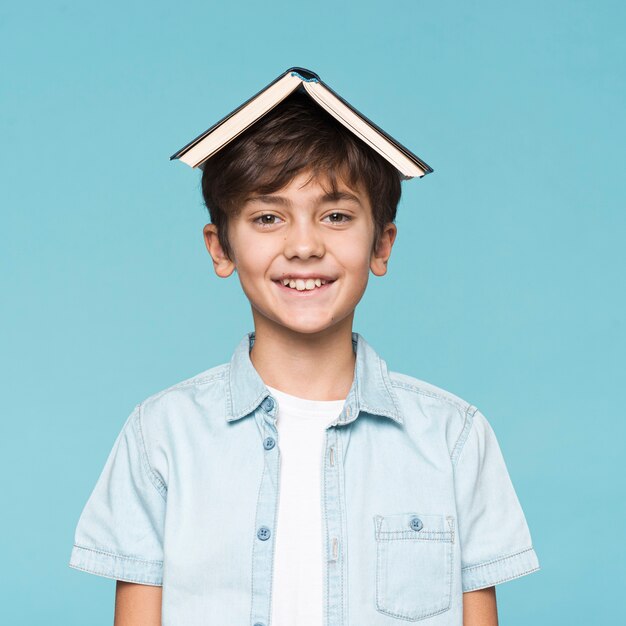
{"x":303,"y":483}
{"x":303,"y":258}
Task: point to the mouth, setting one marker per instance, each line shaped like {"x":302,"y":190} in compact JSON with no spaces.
{"x":300,"y":293}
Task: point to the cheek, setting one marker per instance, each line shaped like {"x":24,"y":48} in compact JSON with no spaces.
{"x":354,"y":258}
{"x":253,"y":256}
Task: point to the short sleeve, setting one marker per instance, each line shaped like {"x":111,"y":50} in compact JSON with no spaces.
{"x":494,"y":537}
{"x":120,"y":530}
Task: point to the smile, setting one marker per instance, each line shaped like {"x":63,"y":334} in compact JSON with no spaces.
{"x":303,"y":287}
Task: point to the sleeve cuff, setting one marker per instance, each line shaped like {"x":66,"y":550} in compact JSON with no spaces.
{"x":115,"y":566}
{"x":499,"y":570}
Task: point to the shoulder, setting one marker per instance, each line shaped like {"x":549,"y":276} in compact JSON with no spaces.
{"x":427,"y":391}
{"x":185,"y":397}
{"x":425,"y":406}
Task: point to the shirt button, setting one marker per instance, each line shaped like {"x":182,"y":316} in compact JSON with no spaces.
{"x":263,"y":533}
{"x":259,"y":624}
{"x":269,"y":443}
{"x":268,"y":404}
{"x":416,"y":523}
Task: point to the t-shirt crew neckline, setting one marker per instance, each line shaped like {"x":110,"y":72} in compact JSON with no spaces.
{"x":305,"y":408}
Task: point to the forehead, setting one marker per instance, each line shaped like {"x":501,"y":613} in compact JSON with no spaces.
{"x":316,"y":189}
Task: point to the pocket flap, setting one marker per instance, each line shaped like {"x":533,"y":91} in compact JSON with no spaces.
{"x":414,"y":525}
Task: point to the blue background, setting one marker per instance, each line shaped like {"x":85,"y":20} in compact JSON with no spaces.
{"x":506,"y":283}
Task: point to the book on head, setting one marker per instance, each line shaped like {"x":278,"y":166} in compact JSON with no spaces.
{"x":197,"y":151}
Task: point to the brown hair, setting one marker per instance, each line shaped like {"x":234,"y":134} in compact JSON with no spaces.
{"x":296,"y":135}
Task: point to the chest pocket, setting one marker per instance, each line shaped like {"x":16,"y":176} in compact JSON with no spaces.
{"x":413,"y":564}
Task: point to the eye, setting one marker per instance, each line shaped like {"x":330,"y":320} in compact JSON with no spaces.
{"x":336,"y":213}
{"x":263,"y":222}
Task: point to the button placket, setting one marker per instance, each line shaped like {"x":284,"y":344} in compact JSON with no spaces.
{"x":333,"y":516}
{"x":265,"y":519}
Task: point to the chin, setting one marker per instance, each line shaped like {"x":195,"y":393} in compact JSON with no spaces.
{"x":304,"y":326}
{"x":308,"y":329}
{"x":313,"y":326}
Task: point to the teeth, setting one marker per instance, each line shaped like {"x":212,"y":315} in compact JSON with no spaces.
{"x":302,"y":285}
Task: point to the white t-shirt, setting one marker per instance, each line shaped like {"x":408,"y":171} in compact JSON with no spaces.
{"x":297,"y":594}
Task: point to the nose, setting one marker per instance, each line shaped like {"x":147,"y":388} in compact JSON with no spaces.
{"x":303,"y":240}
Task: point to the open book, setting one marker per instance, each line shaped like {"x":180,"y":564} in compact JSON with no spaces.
{"x":196,"y":152}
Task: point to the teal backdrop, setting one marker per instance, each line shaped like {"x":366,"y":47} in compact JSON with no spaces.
{"x":506,"y":283}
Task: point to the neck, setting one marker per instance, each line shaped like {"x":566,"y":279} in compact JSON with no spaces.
{"x":314,"y":366}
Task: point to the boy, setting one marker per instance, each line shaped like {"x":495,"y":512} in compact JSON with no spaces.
{"x":302,"y":483}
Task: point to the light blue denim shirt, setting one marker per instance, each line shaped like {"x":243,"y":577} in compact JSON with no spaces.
{"x":417,"y":503}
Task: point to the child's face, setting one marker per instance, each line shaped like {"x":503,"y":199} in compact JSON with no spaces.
{"x":295,"y":233}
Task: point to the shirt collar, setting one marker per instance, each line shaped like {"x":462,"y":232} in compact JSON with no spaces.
{"x":370,"y":392}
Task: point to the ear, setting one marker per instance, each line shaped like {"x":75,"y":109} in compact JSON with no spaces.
{"x":382,"y":252}
{"x":222,"y":265}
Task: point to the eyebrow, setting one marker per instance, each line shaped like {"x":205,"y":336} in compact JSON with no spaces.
{"x":326,"y":197}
